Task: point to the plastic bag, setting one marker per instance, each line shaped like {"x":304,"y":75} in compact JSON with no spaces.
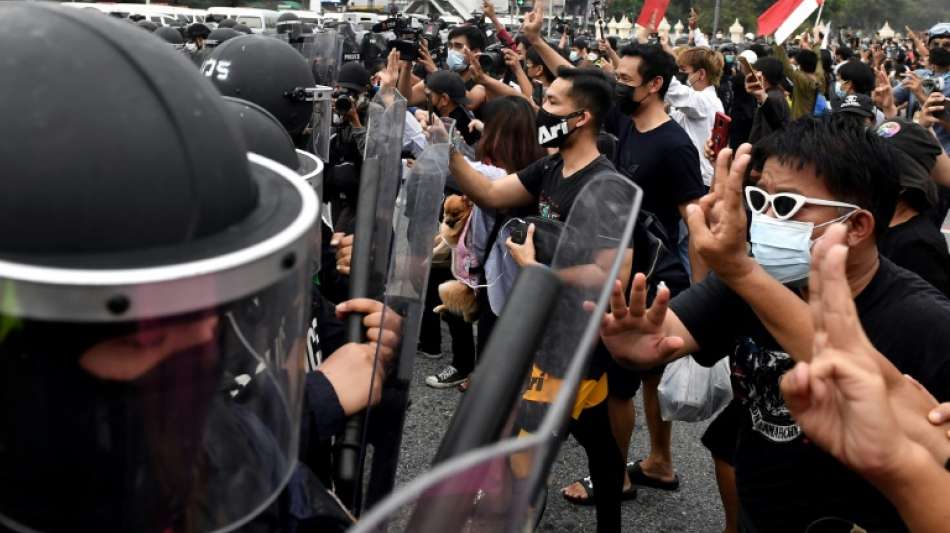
{"x":690,"y":392}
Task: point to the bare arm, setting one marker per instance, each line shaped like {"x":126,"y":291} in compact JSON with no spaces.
{"x":532,"y":31}
{"x":415,"y":94}
{"x":502,"y":193}
{"x":698,"y":267}
{"x":941,"y":171}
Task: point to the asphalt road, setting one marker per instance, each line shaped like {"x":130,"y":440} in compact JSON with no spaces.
{"x":694,"y":508}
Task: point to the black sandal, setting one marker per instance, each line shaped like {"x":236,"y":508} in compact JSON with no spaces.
{"x":629,"y":493}
{"x":639,"y":479}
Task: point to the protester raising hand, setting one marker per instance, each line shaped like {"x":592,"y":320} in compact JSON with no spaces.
{"x":717,"y":226}
{"x":932,"y":112}
{"x":533,"y":20}
{"x":425,"y":57}
{"x":841,"y":400}
{"x":883,"y":94}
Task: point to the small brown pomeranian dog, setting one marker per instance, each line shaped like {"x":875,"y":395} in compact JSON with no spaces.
{"x":457,"y":297}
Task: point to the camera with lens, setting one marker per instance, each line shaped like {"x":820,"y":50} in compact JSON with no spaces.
{"x":562,"y":26}
{"x":407,"y":36}
{"x":492,"y":60}
{"x":930,"y":85}
{"x":343,"y":101}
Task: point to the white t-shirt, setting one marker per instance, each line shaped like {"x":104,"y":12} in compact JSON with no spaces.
{"x":695,"y":111}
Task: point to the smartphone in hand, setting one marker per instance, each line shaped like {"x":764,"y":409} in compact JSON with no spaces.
{"x":720,"y":132}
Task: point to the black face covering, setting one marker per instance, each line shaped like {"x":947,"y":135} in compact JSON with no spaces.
{"x":106,"y":455}
{"x":623,"y":98}
{"x":940,"y":57}
{"x":553,"y":130}
{"x":682,"y":77}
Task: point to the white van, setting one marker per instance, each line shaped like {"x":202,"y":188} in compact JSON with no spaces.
{"x":258,"y":20}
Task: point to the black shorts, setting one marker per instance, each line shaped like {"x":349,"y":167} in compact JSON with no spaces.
{"x":722,"y":434}
{"x":624,"y":383}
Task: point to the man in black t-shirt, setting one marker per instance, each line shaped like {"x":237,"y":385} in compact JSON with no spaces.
{"x":570,"y":119}
{"x":828,"y":172}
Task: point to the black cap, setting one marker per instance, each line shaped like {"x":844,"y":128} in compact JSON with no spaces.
{"x":448,"y":83}
{"x":917,"y":151}
{"x":242,"y":28}
{"x":858,"y":104}
{"x":353,"y":76}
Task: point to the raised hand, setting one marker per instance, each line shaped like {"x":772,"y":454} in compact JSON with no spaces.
{"x":635,"y":335}
{"x":755,"y":86}
{"x":883,"y":94}
{"x":489,"y":9}
{"x":425,"y":57}
{"x":717,"y":226}
{"x":933,"y":111}
{"x":533,"y":20}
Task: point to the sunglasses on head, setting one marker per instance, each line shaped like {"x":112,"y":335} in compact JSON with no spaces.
{"x":785,"y":204}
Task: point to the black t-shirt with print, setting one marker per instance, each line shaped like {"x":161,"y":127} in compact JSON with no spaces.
{"x":784,"y":481}
{"x":545,"y":180}
{"x":663,"y":162}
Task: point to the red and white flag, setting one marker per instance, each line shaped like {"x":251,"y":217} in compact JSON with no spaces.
{"x":653,"y":12}
{"x":785,"y":16}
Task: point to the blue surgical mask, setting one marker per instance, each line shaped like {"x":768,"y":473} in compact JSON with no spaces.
{"x":455,"y":60}
{"x":839,"y":91}
{"x":730,"y":59}
{"x":783,"y":247}
{"x":574,"y":56}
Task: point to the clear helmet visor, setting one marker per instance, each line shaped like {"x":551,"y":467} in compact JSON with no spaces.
{"x":170,"y":420}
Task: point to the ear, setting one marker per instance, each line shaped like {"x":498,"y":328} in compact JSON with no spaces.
{"x":860,"y":227}
{"x":656,"y":84}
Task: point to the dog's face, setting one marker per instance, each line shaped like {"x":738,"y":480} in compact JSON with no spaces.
{"x":456,"y":210}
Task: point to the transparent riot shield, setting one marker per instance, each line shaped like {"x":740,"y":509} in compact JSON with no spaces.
{"x":415,"y":226}
{"x":481,"y":482}
{"x":324,"y":51}
{"x":380,"y":179}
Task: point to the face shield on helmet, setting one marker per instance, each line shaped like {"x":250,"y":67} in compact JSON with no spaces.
{"x":153,"y":331}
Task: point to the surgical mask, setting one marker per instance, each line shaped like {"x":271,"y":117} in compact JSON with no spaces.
{"x":574,"y":56}
{"x":623,"y":98}
{"x":455,"y":60}
{"x":730,"y":59}
{"x":839,"y":91}
{"x":553,"y":130}
{"x":191,"y":47}
{"x":592,"y":57}
{"x":683,"y":77}
{"x":783,"y":247}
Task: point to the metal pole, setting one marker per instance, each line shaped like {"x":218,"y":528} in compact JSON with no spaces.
{"x":715,"y":29}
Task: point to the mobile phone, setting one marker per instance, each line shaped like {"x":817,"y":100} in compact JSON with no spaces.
{"x":720,"y":132}
{"x":519,"y":231}
{"x":745,"y":66}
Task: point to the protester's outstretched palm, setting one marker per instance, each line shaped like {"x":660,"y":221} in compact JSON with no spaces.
{"x":634,"y":334}
{"x":533,"y":20}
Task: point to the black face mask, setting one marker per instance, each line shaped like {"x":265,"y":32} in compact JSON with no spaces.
{"x":940,"y":57}
{"x":553,"y":130}
{"x":623,"y":98}
{"x":682,"y":77}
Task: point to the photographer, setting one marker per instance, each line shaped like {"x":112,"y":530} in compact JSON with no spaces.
{"x":462,"y":39}
{"x":348,"y":143}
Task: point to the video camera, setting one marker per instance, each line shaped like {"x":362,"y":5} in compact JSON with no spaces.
{"x":407,"y":34}
{"x":560,"y":26}
{"x":492,"y":60}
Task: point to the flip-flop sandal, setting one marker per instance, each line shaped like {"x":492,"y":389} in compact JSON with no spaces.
{"x":588,"y":490}
{"x":629,"y":493}
{"x":639,"y":479}
{"x":463,"y":386}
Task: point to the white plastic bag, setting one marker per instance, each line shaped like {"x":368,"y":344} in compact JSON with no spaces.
{"x":690,"y":392}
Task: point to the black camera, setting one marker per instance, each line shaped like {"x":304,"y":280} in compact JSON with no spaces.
{"x":492,"y":60}
{"x":563,"y":26}
{"x":342,"y":102}
{"x":407,"y":36}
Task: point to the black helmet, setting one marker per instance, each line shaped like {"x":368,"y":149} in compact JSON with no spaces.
{"x":268,"y":72}
{"x":169,"y":35}
{"x":227,"y":23}
{"x":139,"y":229}
{"x":265,"y":135}
{"x":241,"y":28}
{"x":220,"y":35}
{"x":288,"y":23}
{"x":146,"y":25}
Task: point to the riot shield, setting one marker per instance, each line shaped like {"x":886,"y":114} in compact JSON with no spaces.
{"x":484,"y":482}
{"x":324,"y":51}
{"x":379,"y":184}
{"x":415,"y":226}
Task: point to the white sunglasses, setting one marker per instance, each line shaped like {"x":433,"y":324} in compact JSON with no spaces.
{"x":785,"y":204}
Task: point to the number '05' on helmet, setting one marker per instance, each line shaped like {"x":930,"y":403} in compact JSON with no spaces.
{"x":154,"y":288}
{"x":268,"y":72}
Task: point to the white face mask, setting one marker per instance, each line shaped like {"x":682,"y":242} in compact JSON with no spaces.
{"x":455,"y":60}
{"x":783,"y":247}
{"x":574,"y":56}
{"x":191,"y":47}
{"x":592,"y":57}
